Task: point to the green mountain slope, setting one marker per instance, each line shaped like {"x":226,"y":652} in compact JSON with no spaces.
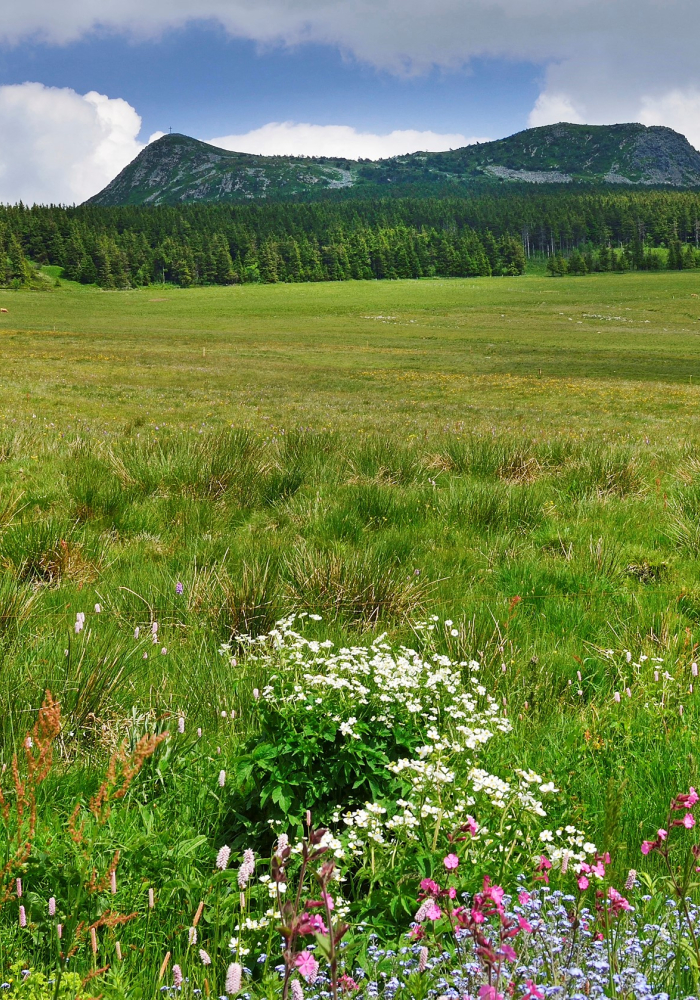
{"x":177,"y":169}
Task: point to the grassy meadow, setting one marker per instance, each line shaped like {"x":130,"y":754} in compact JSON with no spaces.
{"x":518,"y":457}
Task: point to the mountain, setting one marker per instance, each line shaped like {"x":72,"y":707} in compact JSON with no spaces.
{"x":176,"y":169}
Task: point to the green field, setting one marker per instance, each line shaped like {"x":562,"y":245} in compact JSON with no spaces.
{"x":573,"y":354}
{"x":520,"y":457}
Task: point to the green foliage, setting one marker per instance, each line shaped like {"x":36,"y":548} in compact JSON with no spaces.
{"x":301,"y":760}
{"x":33,"y":984}
{"x":490,"y":231}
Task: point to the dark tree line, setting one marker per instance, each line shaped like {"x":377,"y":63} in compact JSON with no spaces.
{"x":490,"y":231}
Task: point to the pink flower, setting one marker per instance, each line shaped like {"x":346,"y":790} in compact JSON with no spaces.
{"x":489,"y":993}
{"x":22,"y":917}
{"x":524,"y":925}
{"x":452,"y":892}
{"x":688,"y":821}
{"x":532,"y":991}
{"x":451,"y":862}
{"x":617,"y":901}
{"x":495,"y":893}
{"x":662,"y":834}
{"x":204,"y":957}
{"x":177,"y":977}
{"x":692,"y":798}
{"x":222,"y":857}
{"x":583,"y":883}
{"x":599,"y":869}
{"x":423,"y":959}
{"x":422,"y":911}
{"x":472,"y":825}
{"x":312,"y":923}
{"x":433,"y":912}
{"x":247,"y":869}
{"x":233,"y":979}
{"x":307,"y":966}
{"x":523,"y":897}
{"x":52,"y":906}
{"x":647,"y":845}
{"x":544,"y":865}
{"x":432,"y":888}
{"x":509,"y":953}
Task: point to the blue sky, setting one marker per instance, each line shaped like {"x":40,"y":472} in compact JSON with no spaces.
{"x":203,"y":82}
{"x":84,"y":84}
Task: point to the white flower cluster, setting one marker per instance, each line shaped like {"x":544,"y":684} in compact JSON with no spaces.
{"x":566,"y":847}
{"x":392,"y":684}
{"x":443,"y":701}
{"x":501,"y":792}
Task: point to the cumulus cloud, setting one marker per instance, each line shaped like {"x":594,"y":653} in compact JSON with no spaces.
{"x":679,"y":109}
{"x":60,"y":146}
{"x":551,"y":108}
{"x":298,"y":139}
{"x":605,"y":60}
{"x":602,"y":93}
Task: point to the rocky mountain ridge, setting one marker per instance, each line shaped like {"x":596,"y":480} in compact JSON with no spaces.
{"x":177,"y":169}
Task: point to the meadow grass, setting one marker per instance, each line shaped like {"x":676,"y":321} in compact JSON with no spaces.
{"x":517,"y":456}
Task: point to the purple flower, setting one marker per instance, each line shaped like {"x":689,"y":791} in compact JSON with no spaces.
{"x":179,"y":587}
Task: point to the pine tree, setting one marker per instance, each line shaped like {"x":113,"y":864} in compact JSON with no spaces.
{"x":577,"y":264}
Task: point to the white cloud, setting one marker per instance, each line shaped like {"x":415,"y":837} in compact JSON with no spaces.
{"x":552,"y":108}
{"x":59,"y":146}
{"x":296,"y":139}
{"x":605,"y":60}
{"x":679,"y":109}
{"x":597,"y":104}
